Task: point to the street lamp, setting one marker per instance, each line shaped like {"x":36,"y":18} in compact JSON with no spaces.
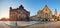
{"x":17,"y":18}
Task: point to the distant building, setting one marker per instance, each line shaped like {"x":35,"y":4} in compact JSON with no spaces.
{"x":5,"y":19}
{"x":19,"y":14}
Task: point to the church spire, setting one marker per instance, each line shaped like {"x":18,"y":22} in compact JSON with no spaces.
{"x":46,"y":6}
{"x":55,"y":12}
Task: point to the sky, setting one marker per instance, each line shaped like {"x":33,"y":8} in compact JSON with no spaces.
{"x":30,"y":5}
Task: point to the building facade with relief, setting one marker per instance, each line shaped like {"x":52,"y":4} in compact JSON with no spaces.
{"x":19,"y":14}
{"x":46,"y":14}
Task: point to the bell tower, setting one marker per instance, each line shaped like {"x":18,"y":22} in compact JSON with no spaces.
{"x":55,"y":12}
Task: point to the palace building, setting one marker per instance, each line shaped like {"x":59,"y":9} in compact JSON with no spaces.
{"x":19,"y":14}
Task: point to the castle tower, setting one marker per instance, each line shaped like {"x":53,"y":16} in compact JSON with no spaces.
{"x":55,"y":12}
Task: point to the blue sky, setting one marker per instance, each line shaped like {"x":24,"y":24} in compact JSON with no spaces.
{"x":31,"y":5}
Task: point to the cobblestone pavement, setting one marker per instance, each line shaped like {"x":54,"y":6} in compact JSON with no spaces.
{"x":38,"y":25}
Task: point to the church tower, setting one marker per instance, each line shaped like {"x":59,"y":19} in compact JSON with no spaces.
{"x":55,"y":12}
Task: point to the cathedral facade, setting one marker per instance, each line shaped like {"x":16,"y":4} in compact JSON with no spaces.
{"x":19,"y":14}
{"x":45,"y":13}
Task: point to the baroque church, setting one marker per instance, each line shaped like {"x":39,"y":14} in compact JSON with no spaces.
{"x":19,"y":14}
{"x":45,"y":15}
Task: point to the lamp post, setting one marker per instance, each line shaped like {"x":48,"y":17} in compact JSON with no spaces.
{"x":17,"y":18}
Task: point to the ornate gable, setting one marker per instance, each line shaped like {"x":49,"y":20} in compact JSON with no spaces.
{"x":46,"y":9}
